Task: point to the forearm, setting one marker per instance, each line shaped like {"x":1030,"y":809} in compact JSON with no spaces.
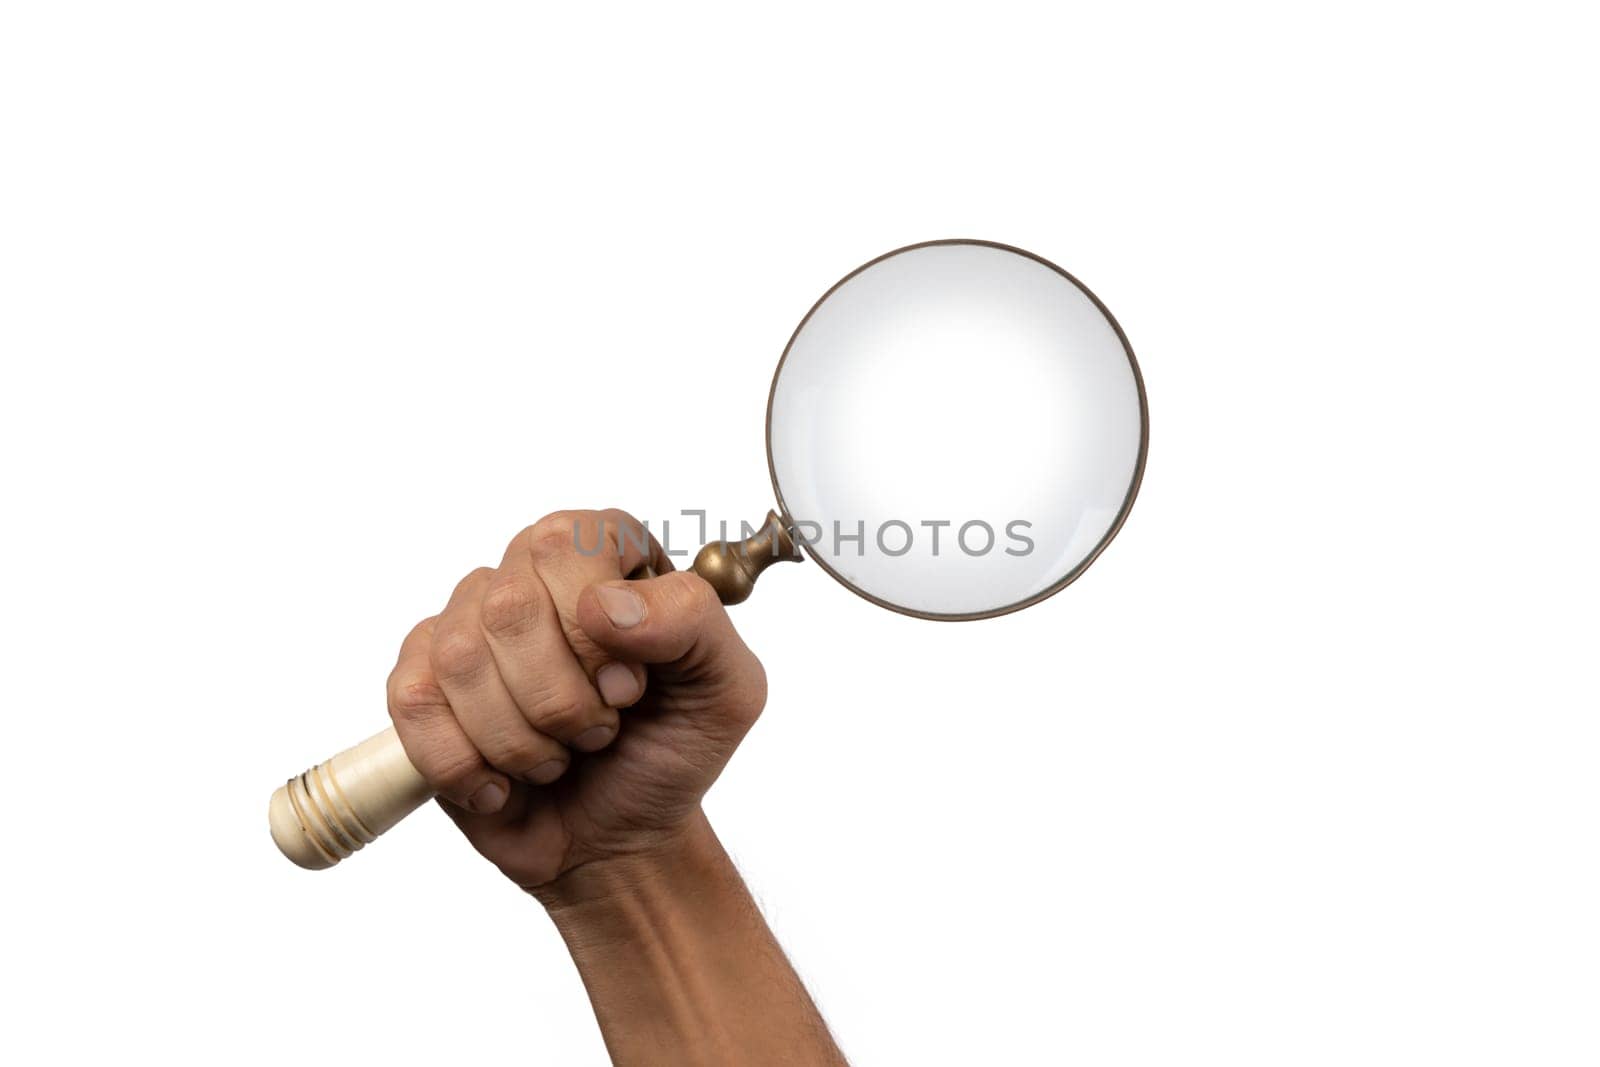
{"x":679,"y":964}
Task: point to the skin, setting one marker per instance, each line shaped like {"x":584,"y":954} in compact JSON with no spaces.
{"x":572,"y":721}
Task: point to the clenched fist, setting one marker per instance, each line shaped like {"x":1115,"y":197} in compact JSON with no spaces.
{"x":565,"y":714}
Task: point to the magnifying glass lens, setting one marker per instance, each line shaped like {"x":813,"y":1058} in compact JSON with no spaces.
{"x":956,"y":430}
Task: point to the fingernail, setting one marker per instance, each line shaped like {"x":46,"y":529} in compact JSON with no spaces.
{"x":592,"y":738}
{"x":488,"y":799}
{"x":547,"y":772}
{"x":617,"y":685}
{"x":622,"y":607}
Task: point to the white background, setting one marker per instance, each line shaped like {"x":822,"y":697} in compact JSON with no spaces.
{"x":306,"y":308}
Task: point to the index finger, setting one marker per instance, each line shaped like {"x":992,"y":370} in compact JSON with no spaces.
{"x":609,"y":543}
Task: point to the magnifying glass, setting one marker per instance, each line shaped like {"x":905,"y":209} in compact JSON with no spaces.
{"x":955,"y":431}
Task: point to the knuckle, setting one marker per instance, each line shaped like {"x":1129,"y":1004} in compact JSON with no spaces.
{"x":458,"y":653}
{"x":516,"y":752}
{"x":563,"y":715}
{"x":451,"y":770}
{"x":477,"y":574}
{"x":621,"y":526}
{"x":415,"y":697}
{"x":523,"y":541}
{"x":620,"y":517}
{"x":511,"y":604}
{"x":557,"y":520}
{"x":563,"y":533}
{"x":552,"y":537}
{"x":447,"y":763}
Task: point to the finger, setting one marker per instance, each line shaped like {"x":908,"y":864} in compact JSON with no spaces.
{"x":611,"y":536}
{"x":467,"y":673}
{"x":536,"y":664}
{"x":572,"y":550}
{"x":675,"y":623}
{"x":616,"y":542}
{"x":433,"y":740}
{"x":565,"y":552}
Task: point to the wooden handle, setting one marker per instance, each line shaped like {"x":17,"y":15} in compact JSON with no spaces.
{"x":337,"y":807}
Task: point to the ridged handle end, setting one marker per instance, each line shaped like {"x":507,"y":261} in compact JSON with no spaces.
{"x":311,"y":826}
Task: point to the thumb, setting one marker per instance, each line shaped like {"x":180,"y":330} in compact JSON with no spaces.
{"x":674,"y":623}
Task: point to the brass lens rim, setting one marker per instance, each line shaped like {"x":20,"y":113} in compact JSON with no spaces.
{"x":1127,"y":501}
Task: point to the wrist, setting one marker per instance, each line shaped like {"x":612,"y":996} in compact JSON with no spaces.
{"x":679,"y":859}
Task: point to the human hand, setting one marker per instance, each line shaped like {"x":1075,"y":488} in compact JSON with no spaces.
{"x":507,"y":700}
